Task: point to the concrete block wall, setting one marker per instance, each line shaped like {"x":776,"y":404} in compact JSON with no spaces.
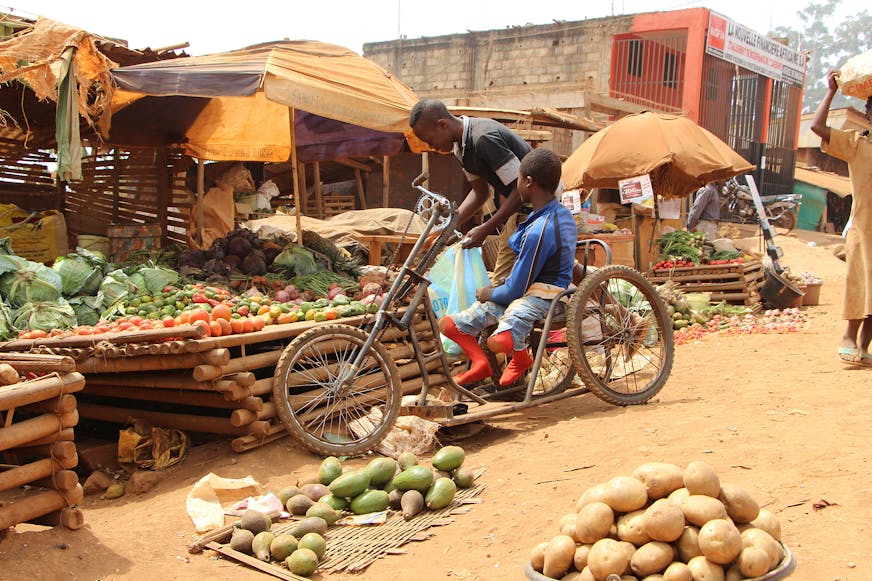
{"x":494,"y":67}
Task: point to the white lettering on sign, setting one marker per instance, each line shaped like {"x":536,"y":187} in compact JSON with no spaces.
{"x":740,"y":45}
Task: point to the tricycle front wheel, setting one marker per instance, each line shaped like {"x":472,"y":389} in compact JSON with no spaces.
{"x":620,"y":336}
{"x":327,"y":405}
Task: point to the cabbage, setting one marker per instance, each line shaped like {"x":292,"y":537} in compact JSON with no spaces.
{"x":6,"y":246}
{"x":87,"y":309}
{"x":116,"y":286}
{"x":45,"y":315}
{"x":7,"y":329}
{"x":157,"y":278}
{"x":81,"y":272}
{"x":24,"y":281}
{"x":297,"y":260}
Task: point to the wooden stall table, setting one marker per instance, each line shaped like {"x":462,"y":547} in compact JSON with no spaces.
{"x":374,"y":244}
{"x":621,"y":245}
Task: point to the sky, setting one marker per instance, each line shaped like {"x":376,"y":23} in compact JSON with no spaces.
{"x":222,"y":25}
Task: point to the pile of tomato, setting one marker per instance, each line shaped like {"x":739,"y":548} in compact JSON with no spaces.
{"x":673,"y":263}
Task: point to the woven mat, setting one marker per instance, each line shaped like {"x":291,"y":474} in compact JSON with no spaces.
{"x":354,"y":548}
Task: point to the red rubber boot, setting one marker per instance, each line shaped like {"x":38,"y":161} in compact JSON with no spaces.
{"x":479,"y":367}
{"x":520,"y":363}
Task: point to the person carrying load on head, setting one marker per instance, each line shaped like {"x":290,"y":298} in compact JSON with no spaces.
{"x":545,"y":247}
{"x":856,"y":149}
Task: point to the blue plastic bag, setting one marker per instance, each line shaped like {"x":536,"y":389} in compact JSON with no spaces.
{"x":453,"y":281}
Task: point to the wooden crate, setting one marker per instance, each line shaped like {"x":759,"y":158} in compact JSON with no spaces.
{"x":333,"y":204}
{"x":734,"y":283}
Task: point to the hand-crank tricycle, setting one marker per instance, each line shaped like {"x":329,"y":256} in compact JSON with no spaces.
{"x":338,"y":390}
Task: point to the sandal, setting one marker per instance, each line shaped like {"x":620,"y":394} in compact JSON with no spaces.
{"x":866,"y":359}
{"x":851,"y":356}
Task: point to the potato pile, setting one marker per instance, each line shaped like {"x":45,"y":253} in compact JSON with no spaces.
{"x":663,"y":524}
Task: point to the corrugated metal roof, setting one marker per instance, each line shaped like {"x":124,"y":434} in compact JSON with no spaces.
{"x":831,"y":182}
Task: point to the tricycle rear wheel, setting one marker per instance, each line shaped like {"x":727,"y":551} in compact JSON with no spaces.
{"x":620,"y":336}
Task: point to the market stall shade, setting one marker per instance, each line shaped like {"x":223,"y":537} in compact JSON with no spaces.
{"x":679,"y":155}
{"x":238,"y":105}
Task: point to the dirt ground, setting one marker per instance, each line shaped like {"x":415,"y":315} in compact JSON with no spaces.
{"x":777,"y":414}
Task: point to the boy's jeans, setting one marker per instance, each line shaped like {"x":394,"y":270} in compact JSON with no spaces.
{"x":519,"y":318}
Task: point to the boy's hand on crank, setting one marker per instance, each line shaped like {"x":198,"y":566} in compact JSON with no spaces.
{"x":483,"y":294}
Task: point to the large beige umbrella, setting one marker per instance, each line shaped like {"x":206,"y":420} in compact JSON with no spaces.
{"x":679,"y":155}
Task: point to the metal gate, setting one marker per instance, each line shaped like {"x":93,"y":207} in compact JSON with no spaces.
{"x":649,"y":69}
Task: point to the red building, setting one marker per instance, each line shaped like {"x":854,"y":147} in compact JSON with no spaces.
{"x":743,"y":87}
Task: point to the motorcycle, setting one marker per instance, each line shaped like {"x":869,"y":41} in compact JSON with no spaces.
{"x":737,"y":203}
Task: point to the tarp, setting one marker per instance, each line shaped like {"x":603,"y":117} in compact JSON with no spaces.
{"x":839,"y":185}
{"x":352,"y":106}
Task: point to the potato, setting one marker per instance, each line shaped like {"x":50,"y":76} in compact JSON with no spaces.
{"x":596,"y":493}
{"x":628,"y":578}
{"x":586,"y":575}
{"x":580,"y":558}
{"x":567,"y":518}
{"x":700,"y":478}
{"x":768,"y":522}
{"x":629,"y":549}
{"x":688,"y":544}
{"x":625,"y":494}
{"x":8,"y":375}
{"x":659,"y":478}
{"x":654,"y":577}
{"x":558,"y":556}
{"x":704,"y":570}
{"x":537,"y":557}
{"x":651,"y":558}
{"x":678,"y":496}
{"x":677,"y":572}
{"x":607,"y":556}
{"x":740,"y":505}
{"x":698,"y":509}
{"x":571,"y":576}
{"x":753,"y":561}
{"x":663,"y":521}
{"x":631,"y":528}
{"x":569,"y":530}
{"x":733,"y":574}
{"x":762,"y":539}
{"x":720,"y":541}
{"x":593,"y":522}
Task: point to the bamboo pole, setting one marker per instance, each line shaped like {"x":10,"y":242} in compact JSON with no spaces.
{"x":64,"y":435}
{"x":24,"y":362}
{"x":154,"y":362}
{"x":246,"y":443}
{"x":295,"y":178}
{"x":242,"y":417}
{"x":27,"y":473}
{"x":319,"y":201}
{"x":186,"y":422}
{"x":63,"y":404}
{"x":208,"y":372}
{"x":30,"y":507}
{"x":91,"y":341}
{"x":69,"y":518}
{"x":35,"y":390}
{"x":193,"y":398}
{"x":58,"y":449}
{"x":386,"y":181}
{"x":201,"y":191}
{"x":180,"y":380}
{"x":304,"y":187}
{"x":358,"y":177}
{"x":26,"y":431}
{"x":61,"y":480}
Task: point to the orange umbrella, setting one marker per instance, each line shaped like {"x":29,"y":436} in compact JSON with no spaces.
{"x":679,"y":155}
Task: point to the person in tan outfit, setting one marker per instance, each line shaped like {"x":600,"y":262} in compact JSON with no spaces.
{"x":856,"y":149}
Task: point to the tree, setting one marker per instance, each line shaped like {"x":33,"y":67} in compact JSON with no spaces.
{"x":827,"y":48}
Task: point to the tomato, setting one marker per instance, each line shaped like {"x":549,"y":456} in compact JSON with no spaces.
{"x":38,"y":334}
{"x":286,"y":318}
{"x":215,"y":328}
{"x":226,"y":327}
{"x":146,"y":326}
{"x":168,"y":322}
{"x":221,"y":312}
{"x":199,"y":314}
{"x":259,"y":323}
{"x":85,"y":330}
{"x":331,"y":314}
{"x":243,"y":310}
{"x":247,"y":325}
{"x":205,"y":325}
{"x":237,"y":326}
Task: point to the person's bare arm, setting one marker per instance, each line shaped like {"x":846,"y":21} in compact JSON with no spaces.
{"x":819,"y":122}
{"x":474,"y":201}
{"x":476,"y":236}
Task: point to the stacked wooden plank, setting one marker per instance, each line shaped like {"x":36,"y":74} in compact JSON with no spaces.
{"x":36,"y":440}
{"x":737,"y":283}
{"x":175,"y":378}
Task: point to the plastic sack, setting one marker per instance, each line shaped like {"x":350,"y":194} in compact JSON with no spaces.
{"x":454,"y":279}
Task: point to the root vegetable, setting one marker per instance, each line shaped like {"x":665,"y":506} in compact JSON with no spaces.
{"x":593,"y":522}
{"x":651,"y":558}
{"x":768,"y":522}
{"x":659,"y":478}
{"x":700,"y":478}
{"x":537,"y":557}
{"x":625,"y":494}
{"x":741,"y":506}
{"x":720,"y":541}
{"x":607,"y":556}
{"x":559,"y":554}
{"x":663,"y":521}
